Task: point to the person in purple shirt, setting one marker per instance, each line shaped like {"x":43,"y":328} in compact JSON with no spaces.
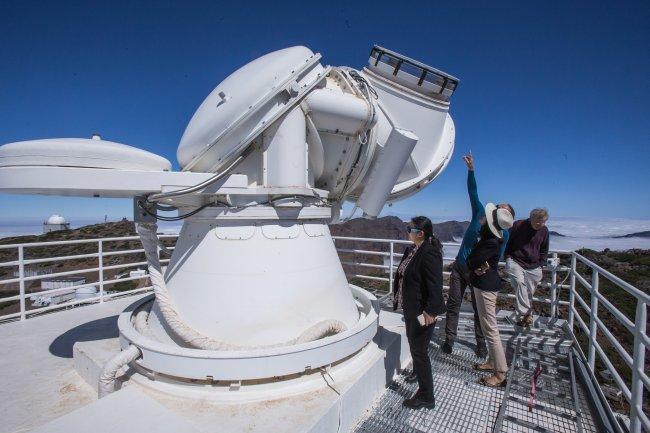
{"x":525,"y":254}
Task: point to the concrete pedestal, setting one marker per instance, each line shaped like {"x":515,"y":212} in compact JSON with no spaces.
{"x":326,"y":402}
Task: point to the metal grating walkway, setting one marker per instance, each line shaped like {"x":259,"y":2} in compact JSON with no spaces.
{"x":464,"y":406}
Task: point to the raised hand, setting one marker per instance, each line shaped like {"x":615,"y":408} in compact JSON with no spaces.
{"x":469,"y":161}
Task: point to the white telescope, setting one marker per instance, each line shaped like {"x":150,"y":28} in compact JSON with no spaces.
{"x":254,"y":288}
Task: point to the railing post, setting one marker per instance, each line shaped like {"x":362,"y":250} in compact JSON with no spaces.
{"x":390,"y":268}
{"x":593,"y":326}
{"x":572,"y":290}
{"x":21,"y":275}
{"x":554,"y":289}
{"x":100,"y":256}
{"x":638,"y":363}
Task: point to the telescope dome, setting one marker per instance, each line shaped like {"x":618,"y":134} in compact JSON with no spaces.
{"x":56,"y":219}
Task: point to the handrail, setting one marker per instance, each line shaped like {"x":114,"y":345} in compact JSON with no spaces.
{"x":593,"y":327}
{"x":645,"y":297}
{"x":103,"y":279}
{"x":576,"y":307}
{"x":82,"y":241}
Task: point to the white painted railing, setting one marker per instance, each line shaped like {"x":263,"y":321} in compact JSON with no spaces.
{"x":101,"y":282}
{"x":592,"y":326}
{"x":553,"y":301}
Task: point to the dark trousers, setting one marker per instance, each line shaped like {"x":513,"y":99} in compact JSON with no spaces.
{"x":458,"y":283}
{"x":418,"y":337}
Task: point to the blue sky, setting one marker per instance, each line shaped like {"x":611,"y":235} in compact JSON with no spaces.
{"x":553,"y":100}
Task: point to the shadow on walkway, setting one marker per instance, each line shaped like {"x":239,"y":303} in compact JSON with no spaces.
{"x":100,"y":329}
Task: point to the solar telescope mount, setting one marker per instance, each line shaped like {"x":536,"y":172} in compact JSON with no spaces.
{"x":254,"y":290}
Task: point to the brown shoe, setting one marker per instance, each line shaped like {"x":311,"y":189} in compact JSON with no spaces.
{"x":483,"y":367}
{"x":493,"y":381}
{"x":526,"y":321}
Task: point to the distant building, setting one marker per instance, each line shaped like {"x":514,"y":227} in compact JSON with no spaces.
{"x":61,"y":296}
{"x":61,"y":282}
{"x":55,"y":223}
{"x":33,"y":271}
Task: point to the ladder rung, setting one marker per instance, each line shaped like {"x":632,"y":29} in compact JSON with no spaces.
{"x":544,"y":409}
{"x":526,"y":424}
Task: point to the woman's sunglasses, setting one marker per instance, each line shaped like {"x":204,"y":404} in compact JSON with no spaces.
{"x":412,"y":229}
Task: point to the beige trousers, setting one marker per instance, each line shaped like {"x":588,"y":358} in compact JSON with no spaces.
{"x":524,"y":282}
{"x":486,"y":304}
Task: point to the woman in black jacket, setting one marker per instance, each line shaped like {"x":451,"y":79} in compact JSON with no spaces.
{"x":417,"y":289}
{"x":483,"y":264}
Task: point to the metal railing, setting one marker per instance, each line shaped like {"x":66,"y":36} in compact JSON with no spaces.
{"x":393,"y":260}
{"x":574,"y":306}
{"x":101,"y":269}
{"x":593,"y":326}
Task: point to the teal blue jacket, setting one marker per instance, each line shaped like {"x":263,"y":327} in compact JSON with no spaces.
{"x":473,"y":232}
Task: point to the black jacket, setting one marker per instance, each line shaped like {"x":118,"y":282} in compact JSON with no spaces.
{"x":422,"y":283}
{"x":486,"y":250}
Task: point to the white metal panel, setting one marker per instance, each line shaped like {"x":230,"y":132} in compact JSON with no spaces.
{"x":386,"y":169}
{"x":337,"y":112}
{"x":245,"y":103}
{"x":95,"y":182}
{"x":286,"y":151}
{"x":429,"y":120}
{"x":80,"y":152}
{"x":260,"y":291}
{"x":230,"y":232}
{"x":261,"y":363}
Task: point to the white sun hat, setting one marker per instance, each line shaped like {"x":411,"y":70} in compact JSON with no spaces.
{"x":498,"y":219}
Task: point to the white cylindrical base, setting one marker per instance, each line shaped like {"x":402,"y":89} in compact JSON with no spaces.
{"x":257,"y":284}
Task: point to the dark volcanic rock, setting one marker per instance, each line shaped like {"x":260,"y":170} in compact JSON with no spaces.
{"x":104,"y":230}
{"x":645,"y":234}
{"x":450,"y":231}
{"x":554,"y":233}
{"x":389,"y":227}
{"x":392,"y":227}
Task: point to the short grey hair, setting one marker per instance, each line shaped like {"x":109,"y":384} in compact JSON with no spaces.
{"x":540,"y":212}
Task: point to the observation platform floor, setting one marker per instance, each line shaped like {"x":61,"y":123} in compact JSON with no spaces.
{"x":463,"y":405}
{"x":37,"y":375}
{"x":41,"y":387}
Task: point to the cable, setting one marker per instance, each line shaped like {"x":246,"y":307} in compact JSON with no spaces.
{"x":176,"y":218}
{"x":165,"y":208}
{"x":205,"y":183}
{"x":321,"y":200}
{"x":368,"y":92}
{"x":354,"y":74}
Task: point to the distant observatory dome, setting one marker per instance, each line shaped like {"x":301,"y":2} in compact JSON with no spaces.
{"x":54,"y":223}
{"x":56,"y":219}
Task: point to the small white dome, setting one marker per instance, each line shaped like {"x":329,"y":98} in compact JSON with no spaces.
{"x":56,"y":219}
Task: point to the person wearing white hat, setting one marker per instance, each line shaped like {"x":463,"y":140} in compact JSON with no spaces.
{"x":459,"y":273}
{"x":483,"y":264}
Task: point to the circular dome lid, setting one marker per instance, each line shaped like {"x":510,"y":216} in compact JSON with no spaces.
{"x":56,"y":219}
{"x":80,"y":152}
{"x":244,"y":104}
